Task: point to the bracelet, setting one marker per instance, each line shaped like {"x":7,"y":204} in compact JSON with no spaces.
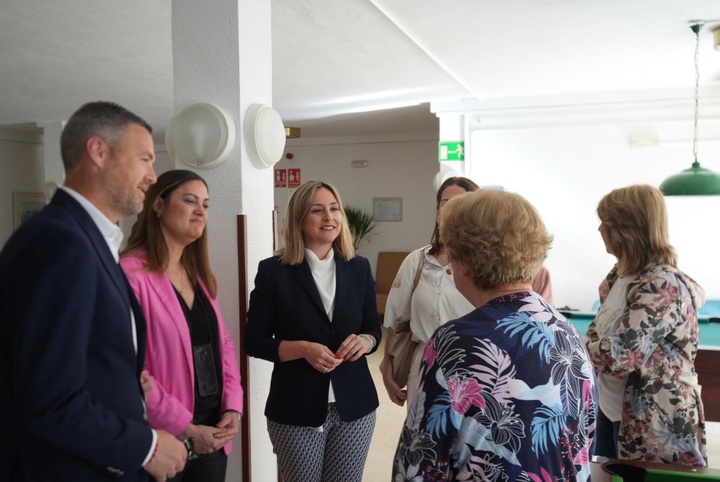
{"x":369,"y":339}
{"x":189,"y":444}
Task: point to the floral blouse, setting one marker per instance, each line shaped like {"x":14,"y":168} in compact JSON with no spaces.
{"x":655,"y":346}
{"x":507,"y":393}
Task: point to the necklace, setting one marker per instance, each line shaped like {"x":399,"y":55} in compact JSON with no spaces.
{"x":507,"y":291}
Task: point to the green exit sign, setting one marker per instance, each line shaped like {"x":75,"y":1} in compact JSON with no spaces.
{"x":452,"y":151}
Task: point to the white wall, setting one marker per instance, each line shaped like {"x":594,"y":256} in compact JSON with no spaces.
{"x":162,"y":164}
{"x":21,"y":170}
{"x":565,"y":170}
{"x":397,"y":167}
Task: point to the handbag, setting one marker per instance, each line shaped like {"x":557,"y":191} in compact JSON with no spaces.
{"x":400,"y":342}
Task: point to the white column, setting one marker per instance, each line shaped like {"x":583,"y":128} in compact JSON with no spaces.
{"x":222,"y":55}
{"x":452,"y":129}
{"x":54,"y":169}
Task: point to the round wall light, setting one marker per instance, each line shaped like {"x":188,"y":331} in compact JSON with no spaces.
{"x":264,"y":135}
{"x":200,"y":135}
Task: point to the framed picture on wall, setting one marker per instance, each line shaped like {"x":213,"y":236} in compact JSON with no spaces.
{"x":387,"y":208}
{"x":25,"y":204}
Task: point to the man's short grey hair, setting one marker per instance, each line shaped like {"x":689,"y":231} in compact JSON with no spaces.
{"x":104,"y":119}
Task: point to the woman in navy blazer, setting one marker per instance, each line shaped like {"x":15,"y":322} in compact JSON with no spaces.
{"x":313,"y":313}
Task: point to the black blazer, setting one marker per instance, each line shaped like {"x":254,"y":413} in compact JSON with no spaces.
{"x":71,"y":404}
{"x":285,"y":305}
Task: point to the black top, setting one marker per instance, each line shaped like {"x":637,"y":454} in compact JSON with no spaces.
{"x":203,"y":324}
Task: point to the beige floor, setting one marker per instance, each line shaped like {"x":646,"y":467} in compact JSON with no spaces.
{"x":390,"y":418}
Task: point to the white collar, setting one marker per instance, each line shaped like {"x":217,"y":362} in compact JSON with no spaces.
{"x":317,"y":263}
{"x":111,"y":232}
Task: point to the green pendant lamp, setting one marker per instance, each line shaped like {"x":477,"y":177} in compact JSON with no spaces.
{"x":696,"y":181}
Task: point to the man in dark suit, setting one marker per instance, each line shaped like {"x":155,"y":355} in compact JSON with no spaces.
{"x":73,"y":337}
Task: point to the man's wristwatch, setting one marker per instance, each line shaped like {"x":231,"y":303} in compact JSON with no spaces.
{"x":189,"y":444}
{"x":369,"y":339}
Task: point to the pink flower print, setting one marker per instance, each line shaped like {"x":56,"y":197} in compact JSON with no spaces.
{"x":430,"y":353}
{"x":464,"y":393}
{"x":666,"y":296}
{"x":632,"y":359}
{"x":687,"y":458}
{"x":582,"y":457}
{"x":536,"y":478}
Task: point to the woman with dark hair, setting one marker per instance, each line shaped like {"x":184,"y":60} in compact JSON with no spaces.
{"x":313,"y":313}
{"x":506,"y":392}
{"x":430,"y":299}
{"x":196,"y":394}
{"x":427,"y":303}
{"x":644,"y":339}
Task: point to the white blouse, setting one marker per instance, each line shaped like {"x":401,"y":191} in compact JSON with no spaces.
{"x":434,"y":302}
{"x":611,"y":388}
{"x":323,"y":271}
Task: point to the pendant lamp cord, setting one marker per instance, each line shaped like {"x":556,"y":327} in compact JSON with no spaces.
{"x":696,"y":28}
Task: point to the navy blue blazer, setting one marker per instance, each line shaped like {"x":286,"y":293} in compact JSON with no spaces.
{"x":285,"y":305}
{"x":71,"y":404}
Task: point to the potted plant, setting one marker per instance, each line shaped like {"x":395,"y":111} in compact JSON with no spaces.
{"x":361,"y":224}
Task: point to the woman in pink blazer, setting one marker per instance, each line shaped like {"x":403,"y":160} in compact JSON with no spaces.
{"x":196,"y":393}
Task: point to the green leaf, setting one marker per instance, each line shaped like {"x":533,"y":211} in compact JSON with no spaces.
{"x":361,"y":225}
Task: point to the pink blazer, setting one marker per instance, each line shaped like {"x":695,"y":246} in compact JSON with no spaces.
{"x":169,"y":352}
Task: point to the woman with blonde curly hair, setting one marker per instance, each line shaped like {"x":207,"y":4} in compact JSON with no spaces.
{"x":508,"y":389}
{"x":423,"y":296}
{"x":644,"y":339}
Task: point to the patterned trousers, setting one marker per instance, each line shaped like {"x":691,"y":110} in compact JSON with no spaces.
{"x":335,"y":452}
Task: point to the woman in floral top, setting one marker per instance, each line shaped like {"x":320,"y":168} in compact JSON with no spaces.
{"x":506,"y":392}
{"x":644,"y":339}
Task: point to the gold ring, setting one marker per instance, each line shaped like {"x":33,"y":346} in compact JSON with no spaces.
{"x":325,"y":369}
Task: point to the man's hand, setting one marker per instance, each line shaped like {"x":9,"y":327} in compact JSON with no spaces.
{"x":169,"y":458}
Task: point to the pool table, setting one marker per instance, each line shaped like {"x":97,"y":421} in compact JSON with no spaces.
{"x":707,"y":362}
{"x":635,"y":471}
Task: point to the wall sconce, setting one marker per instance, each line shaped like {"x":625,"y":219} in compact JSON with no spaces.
{"x":200,"y":135}
{"x":264,"y":135}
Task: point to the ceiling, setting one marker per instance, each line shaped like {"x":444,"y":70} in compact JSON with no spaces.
{"x":353,"y":67}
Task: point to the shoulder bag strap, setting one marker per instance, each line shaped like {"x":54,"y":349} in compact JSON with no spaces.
{"x":419,"y":270}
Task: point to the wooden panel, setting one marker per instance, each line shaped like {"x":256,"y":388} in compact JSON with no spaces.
{"x":707,"y":365}
{"x":243,"y":358}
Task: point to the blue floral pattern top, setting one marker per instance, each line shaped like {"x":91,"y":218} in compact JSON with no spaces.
{"x":506,"y":393}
